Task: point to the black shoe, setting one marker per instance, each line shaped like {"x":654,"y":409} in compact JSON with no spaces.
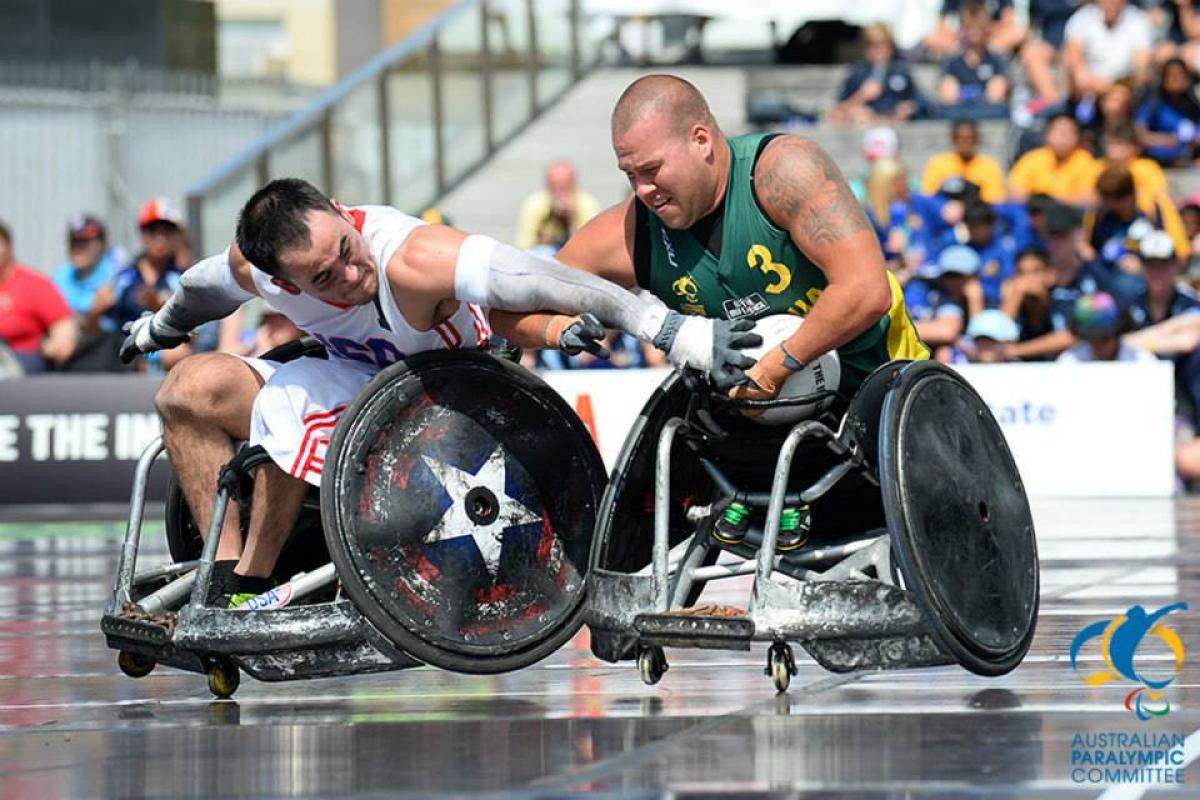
{"x":245,"y":588}
{"x":219,"y":587}
{"x":230,"y":590}
{"x":732,"y":525}
{"x":793,"y":530}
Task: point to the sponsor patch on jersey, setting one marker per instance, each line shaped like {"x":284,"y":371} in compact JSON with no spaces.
{"x":666,"y":240}
{"x":751,"y":305}
{"x":687,"y":288}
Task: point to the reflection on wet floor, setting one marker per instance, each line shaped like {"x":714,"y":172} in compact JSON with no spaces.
{"x":72,"y":725}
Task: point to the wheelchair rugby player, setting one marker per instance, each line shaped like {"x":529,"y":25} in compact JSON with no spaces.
{"x":458,"y":489}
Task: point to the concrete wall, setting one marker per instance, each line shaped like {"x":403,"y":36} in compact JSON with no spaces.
{"x":402,"y":17}
{"x":310,"y":29}
{"x":359,"y":34}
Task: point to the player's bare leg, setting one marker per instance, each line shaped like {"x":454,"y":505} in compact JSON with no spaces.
{"x":278,"y":498}
{"x":205,"y":405}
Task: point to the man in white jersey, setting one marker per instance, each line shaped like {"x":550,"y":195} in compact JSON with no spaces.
{"x":372,"y":285}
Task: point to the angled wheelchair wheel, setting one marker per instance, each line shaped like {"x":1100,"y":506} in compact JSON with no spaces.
{"x":747,"y":456}
{"x":459,"y":498}
{"x":625,"y":535}
{"x":960,"y":522}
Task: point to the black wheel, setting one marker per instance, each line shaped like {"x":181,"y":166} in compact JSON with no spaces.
{"x":626,"y":529}
{"x":962,"y":532}
{"x":459,"y":500}
{"x":135,"y":665}
{"x":652,"y":664}
{"x":223,"y":678}
{"x":747,"y":457}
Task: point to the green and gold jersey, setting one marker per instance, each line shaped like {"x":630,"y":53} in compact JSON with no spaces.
{"x":759,"y":271}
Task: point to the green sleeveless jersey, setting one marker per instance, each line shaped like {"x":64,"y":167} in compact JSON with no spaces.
{"x":760,"y":271}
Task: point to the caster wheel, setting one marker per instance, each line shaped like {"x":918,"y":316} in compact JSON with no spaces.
{"x":781,"y":666}
{"x":223,"y":679}
{"x":135,"y":665}
{"x":652,"y":664}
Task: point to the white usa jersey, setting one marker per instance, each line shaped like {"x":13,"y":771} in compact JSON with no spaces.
{"x":375,"y":334}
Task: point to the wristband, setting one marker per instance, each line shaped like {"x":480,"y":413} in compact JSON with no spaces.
{"x":790,"y":361}
{"x":546,"y":334}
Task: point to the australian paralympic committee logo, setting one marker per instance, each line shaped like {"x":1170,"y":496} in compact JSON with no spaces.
{"x":1125,"y":757}
{"x":1120,"y":638}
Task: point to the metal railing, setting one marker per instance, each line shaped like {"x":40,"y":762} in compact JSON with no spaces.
{"x":417,"y":118}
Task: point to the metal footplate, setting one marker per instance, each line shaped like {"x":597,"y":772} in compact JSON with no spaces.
{"x":692,"y":630}
{"x":153,"y":638}
{"x":139,"y":630}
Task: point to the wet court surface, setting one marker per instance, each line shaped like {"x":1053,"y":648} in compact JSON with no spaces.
{"x":72,"y":726}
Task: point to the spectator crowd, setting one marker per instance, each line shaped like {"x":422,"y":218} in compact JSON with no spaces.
{"x":1075,"y":250}
{"x":72,"y":321}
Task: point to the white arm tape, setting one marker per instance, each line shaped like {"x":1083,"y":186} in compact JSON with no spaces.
{"x":503,"y":277}
{"x":207,"y":290}
{"x":471,"y":269}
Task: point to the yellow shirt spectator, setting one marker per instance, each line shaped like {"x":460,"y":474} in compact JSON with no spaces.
{"x":1070,"y":180}
{"x":964,"y":161}
{"x":549,"y":216}
{"x":1149,"y":180}
{"x":983,"y":171}
{"x":1153,"y":199}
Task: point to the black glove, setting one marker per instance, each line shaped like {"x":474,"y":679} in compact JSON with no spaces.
{"x":586,"y":333}
{"x":730,"y":337}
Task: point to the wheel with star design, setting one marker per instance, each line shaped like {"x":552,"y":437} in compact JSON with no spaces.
{"x":459,"y":499}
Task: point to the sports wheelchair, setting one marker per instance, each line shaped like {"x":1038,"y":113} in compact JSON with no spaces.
{"x":453,"y":528}
{"x":914,"y":540}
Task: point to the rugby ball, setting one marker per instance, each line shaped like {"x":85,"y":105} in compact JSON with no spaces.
{"x":817,"y":376}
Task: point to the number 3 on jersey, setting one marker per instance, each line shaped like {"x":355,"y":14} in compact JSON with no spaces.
{"x":760,"y":258}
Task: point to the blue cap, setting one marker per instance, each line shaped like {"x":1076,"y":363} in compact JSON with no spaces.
{"x":957,"y":258}
{"x":993,"y":324}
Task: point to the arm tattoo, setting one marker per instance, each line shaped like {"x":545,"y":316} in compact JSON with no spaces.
{"x":802,"y":187}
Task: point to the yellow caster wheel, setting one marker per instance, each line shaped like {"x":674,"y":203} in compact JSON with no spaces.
{"x":223,"y":679}
{"x":135,"y":665}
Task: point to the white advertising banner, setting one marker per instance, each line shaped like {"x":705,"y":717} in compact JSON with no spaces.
{"x":1085,"y":430}
{"x":1076,"y":430}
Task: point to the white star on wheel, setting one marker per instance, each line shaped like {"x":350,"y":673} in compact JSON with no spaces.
{"x":455,"y":523}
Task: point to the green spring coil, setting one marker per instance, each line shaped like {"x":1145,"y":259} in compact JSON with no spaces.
{"x":736,"y":512}
{"x":789,"y":520}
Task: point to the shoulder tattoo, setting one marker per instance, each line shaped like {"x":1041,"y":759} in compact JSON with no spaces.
{"x":801,"y":186}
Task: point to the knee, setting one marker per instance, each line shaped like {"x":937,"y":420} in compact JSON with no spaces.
{"x":1035,"y":53}
{"x":199,"y":387}
{"x":1187,"y":460}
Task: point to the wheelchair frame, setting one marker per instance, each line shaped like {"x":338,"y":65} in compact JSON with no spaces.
{"x":820,"y":596}
{"x":274,"y":641}
{"x":271,"y":644}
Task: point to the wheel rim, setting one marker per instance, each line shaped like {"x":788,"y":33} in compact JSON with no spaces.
{"x":960,"y":523}
{"x":447,"y":593}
